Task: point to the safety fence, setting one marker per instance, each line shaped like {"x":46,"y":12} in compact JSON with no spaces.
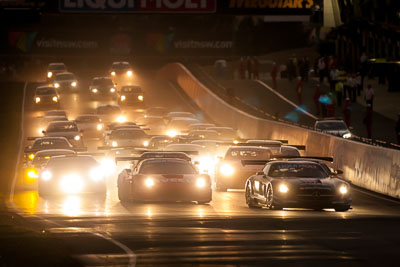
{"x":370,"y":167}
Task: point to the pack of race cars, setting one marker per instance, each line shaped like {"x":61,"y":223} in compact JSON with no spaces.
{"x":166,"y":155}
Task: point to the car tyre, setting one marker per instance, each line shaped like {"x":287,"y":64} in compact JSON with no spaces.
{"x":251,"y":203}
{"x":269,"y":199}
{"x":342,"y":209}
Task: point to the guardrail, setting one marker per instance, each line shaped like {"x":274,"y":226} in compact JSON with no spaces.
{"x":370,"y":167}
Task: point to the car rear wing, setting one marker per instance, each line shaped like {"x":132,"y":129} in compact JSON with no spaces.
{"x":157,"y":155}
{"x":299,"y":147}
{"x":329,"y":159}
{"x":33,"y":138}
{"x":76,"y":149}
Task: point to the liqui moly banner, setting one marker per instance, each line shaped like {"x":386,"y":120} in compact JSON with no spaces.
{"x":138,"y":6}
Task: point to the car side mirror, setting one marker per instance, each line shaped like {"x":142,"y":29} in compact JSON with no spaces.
{"x":260,"y":173}
{"x":43,"y":132}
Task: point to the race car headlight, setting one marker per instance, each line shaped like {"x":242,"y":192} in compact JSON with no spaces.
{"x":55,"y":99}
{"x":226,"y":170}
{"x":347,"y":135}
{"x":121,"y":119}
{"x":113,"y":73}
{"x":49,"y":74}
{"x":96,"y":174}
{"x":129,"y":73}
{"x":172,"y":133}
{"x":206,"y":163}
{"x":112,"y":90}
{"x":31,"y":156}
{"x":146,"y":143}
{"x":283,"y":188}
{"x":56,"y":85}
{"x":74,"y":84}
{"x":114,"y":144}
{"x":46,"y":176}
{"x":71,"y":184}
{"x":140,"y":98}
{"x":99,"y":127}
{"x":123,"y":98}
{"x":37,"y":99}
{"x":77,"y":138}
{"x":200,"y":182}
{"x":236,"y":142}
{"x":94,"y":90}
{"x":32,"y":173}
{"x":343,"y":189}
{"x":149,"y":182}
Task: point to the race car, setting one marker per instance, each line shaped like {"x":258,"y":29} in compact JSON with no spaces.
{"x":160,"y":142}
{"x":156,"y":124}
{"x":334,"y":127}
{"x":67,"y":129}
{"x":32,"y":168}
{"x":179,"y":125}
{"x":56,"y":112}
{"x":72,"y":174}
{"x":44,"y":122}
{"x":103,"y":87}
{"x":229,"y":171}
{"x":130,"y":95}
{"x":65,"y":81}
{"x":164,"y":179}
{"x":54,"y":68}
{"x":90,"y":125}
{"x":121,"y":69}
{"x":110,"y":113}
{"x":296,"y":184}
{"x":46,"y":96}
{"x":127,"y":137}
{"x":44,"y":143}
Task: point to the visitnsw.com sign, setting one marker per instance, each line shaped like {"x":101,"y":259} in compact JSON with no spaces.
{"x":139,"y":6}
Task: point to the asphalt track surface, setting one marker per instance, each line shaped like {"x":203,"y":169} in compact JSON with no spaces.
{"x":101,"y":231}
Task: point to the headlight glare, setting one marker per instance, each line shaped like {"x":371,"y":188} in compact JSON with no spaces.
{"x":94,"y":90}
{"x":49,"y":74}
{"x":112,"y":90}
{"x":114,"y":144}
{"x":146,"y":143}
{"x":226,"y":170}
{"x":149,"y":182}
{"x":129,"y":73}
{"x":55,"y":99}
{"x":37,"y":99}
{"x":56,"y":85}
{"x":46,"y":175}
{"x":140,"y":98}
{"x":121,"y":119}
{"x":113,"y":73}
{"x":347,"y":135}
{"x":77,"y":138}
{"x":99,"y":127}
{"x":71,"y":184}
{"x":172,"y":133}
{"x":200,"y":182}
{"x":32,"y":173}
{"x":343,"y":189}
{"x":283,"y":188}
{"x":96,"y":174}
{"x":31,"y":156}
{"x":73,"y":84}
{"x":123,"y":98}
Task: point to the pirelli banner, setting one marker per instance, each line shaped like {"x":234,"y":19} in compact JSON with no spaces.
{"x":234,"y":7}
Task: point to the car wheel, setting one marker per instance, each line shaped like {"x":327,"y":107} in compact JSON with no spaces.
{"x":251,"y":203}
{"x":269,"y":199}
{"x":342,"y":209}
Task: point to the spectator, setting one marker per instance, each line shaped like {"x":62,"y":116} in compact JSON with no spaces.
{"x":317,"y":95}
{"x":334,"y":76}
{"x":398,"y":129}
{"x":242,"y":68}
{"x":299,"y":89}
{"x":369,"y":96}
{"x":368,"y":121}
{"x":248,"y":68}
{"x":358,"y":83}
{"x":321,"y":69}
{"x":255,"y":67}
{"x":348,"y":86}
{"x":347,"y":112}
{"x":274,"y":74}
{"x":339,"y":93}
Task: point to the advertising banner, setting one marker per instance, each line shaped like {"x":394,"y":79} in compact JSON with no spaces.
{"x":266,"y":7}
{"x":138,"y":6}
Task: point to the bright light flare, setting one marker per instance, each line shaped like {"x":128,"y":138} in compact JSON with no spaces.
{"x":94,"y":90}
{"x":77,"y":138}
{"x":46,"y":176}
{"x":123,"y":98}
{"x":74,"y":84}
{"x":37,"y":100}
{"x":149,"y":182}
{"x":55,"y":99}
{"x":283,"y":188}
{"x":343,"y":190}
{"x":49,"y":74}
{"x":56,"y":85}
{"x":72,"y":184}
{"x":32,"y":173}
{"x":108,"y":166}
{"x":31,"y":156}
{"x":99,"y":127}
{"x":114,"y":144}
{"x":121,"y":119}
{"x":347,"y":135}
{"x":226,"y":170}
{"x":172,"y":133}
{"x":146,"y":143}
{"x":200,"y":182}
{"x":140,"y":98}
{"x":129,"y":73}
{"x":96,"y":174}
{"x":206,"y":164}
{"x":113,"y":73}
{"x":112,"y":90}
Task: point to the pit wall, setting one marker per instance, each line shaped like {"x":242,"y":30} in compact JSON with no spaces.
{"x":370,"y":167}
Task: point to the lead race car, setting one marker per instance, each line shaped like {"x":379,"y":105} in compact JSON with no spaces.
{"x":297,"y":183}
{"x":164,"y":176}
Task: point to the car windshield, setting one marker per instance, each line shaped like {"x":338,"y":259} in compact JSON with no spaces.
{"x":166,"y":167}
{"x":247,"y":154}
{"x":120,"y":65}
{"x":62,"y":127}
{"x":108,"y":110}
{"x":64,"y":77}
{"x":297,"y":170}
{"x":72,"y":163}
{"x":103,"y":81}
{"x":56,"y":67}
{"x":56,"y":113}
{"x":41,"y":158}
{"x":131,"y":89}
{"x":127,"y":134}
{"x":45,"y":91}
{"x":51,"y":144}
{"x":332,"y":126}
{"x":87,"y":119}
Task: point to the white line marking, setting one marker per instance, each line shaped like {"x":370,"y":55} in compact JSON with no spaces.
{"x":287,"y":100}
{"x":373,"y":195}
{"x":131,"y":255}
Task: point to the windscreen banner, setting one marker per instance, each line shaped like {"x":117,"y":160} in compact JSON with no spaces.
{"x":138,"y":6}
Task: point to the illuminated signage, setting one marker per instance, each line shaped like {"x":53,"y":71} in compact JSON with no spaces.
{"x":266,"y":7}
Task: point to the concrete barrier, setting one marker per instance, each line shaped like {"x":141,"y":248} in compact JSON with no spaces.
{"x":370,"y":167}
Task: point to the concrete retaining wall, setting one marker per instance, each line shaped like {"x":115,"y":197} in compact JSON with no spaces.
{"x":373,"y":168}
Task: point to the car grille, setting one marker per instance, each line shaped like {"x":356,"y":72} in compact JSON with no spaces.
{"x":314,"y":194}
